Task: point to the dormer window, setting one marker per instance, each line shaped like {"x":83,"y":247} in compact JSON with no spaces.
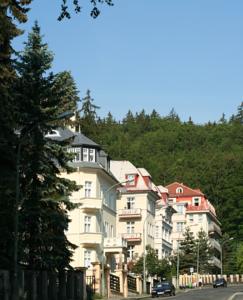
{"x":179,"y":190}
{"x":77,"y":152}
{"x":89,"y":154}
{"x":196,"y":201}
{"x":130,"y":179}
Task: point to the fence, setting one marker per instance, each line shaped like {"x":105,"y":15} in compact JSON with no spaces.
{"x":114,"y":283}
{"x":90,"y":281}
{"x":44,"y":285}
{"x":132,"y":284}
{"x":207,"y":279}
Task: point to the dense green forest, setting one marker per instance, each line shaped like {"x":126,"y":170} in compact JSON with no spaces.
{"x":208,"y":156}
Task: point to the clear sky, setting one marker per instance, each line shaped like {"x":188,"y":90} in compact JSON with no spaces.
{"x":151,"y":54}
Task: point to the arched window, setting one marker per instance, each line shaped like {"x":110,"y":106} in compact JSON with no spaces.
{"x":179,"y":190}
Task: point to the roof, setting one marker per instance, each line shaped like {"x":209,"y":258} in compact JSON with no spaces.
{"x":79,"y":138}
{"x":187,"y":191}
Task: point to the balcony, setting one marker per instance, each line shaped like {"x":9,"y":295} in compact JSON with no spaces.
{"x":129,"y":213}
{"x":215,"y":244}
{"x":214,"y":228}
{"x":115,"y":245}
{"x":215,"y":261}
{"x":91,"y":239}
{"x":90,"y":204}
{"x":132,"y":237}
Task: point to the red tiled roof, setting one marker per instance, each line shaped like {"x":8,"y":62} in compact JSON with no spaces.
{"x":187,"y":191}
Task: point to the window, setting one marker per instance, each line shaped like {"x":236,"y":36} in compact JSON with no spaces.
{"x":87,"y":223}
{"x":87,"y":258}
{"x":196,"y":201}
{"x":130,"y":179}
{"x":191,"y":218}
{"x":179,"y":226}
{"x":130,"y":227}
{"x":179,"y":190}
{"x":111,"y":231}
{"x":200,"y":218}
{"x":89,"y":154}
{"x":77,"y":152}
{"x":87,"y":189}
{"x":180,"y":209}
{"x":130,"y":202}
{"x":106,"y":228}
{"x":156,"y":231}
{"x":130,"y":251}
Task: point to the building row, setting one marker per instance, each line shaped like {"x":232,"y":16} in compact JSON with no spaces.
{"x":120,"y":210}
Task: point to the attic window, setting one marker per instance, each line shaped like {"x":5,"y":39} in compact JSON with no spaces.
{"x":130,"y":179}
{"x":196,"y":201}
{"x":179,"y":190}
{"x":88,"y":154}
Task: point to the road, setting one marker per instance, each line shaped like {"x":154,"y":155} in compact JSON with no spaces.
{"x":229,"y":293}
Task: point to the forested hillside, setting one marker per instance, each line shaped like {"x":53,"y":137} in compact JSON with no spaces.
{"x":209,"y":156}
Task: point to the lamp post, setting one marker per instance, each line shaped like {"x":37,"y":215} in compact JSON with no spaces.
{"x":221,"y":254}
{"x":102,"y":234}
{"x":17,"y":205}
{"x":144,"y":254}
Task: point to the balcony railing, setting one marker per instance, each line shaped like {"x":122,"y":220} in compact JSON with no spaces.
{"x":91,"y":238}
{"x":215,"y":244}
{"x":213,"y":227}
{"x":90,"y":203}
{"x":112,"y":244}
{"x":132,"y":237}
{"x":130,"y":213}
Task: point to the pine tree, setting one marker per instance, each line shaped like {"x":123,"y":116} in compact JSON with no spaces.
{"x":44,"y":194}
{"x":11,"y":12}
{"x":204,"y":252}
{"x":187,"y":251}
{"x":87,"y":120}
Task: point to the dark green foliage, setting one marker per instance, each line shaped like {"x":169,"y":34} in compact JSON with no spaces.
{"x":204,"y":252}
{"x":95,"y":11}
{"x":44,"y":195}
{"x":11,"y":12}
{"x":187,"y":252}
{"x":154,"y":266}
{"x":86,"y":118}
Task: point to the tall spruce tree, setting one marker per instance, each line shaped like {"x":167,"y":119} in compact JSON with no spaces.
{"x":44,"y":194}
{"x":11,"y":12}
{"x":187,"y":251}
{"x":87,"y":119}
{"x":205,"y":252}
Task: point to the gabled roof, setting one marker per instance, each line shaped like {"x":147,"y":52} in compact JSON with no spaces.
{"x":187,"y":191}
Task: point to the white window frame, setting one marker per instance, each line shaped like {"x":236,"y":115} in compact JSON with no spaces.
{"x":77,"y":152}
{"x":130,"y":202}
{"x":179,"y":190}
{"x":87,"y":258}
{"x":130,"y":226}
{"x":87,"y":223}
{"x":179,"y":226}
{"x":196,"y":201}
{"x":131,"y":179}
{"x":130,"y":251}
{"x":191,"y":218}
{"x":87,"y":189}
{"x":89,"y":154}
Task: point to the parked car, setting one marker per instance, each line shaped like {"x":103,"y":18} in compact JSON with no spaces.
{"x":163,"y":288}
{"x":219,"y":282}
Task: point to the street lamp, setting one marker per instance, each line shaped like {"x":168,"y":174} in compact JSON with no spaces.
{"x":18,"y":204}
{"x":102,"y":233}
{"x":221,"y":254}
{"x":144,"y":255}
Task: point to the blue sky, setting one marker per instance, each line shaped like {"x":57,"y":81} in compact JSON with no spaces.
{"x":150,"y":54}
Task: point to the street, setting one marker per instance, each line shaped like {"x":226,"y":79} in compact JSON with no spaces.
{"x":229,"y":293}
